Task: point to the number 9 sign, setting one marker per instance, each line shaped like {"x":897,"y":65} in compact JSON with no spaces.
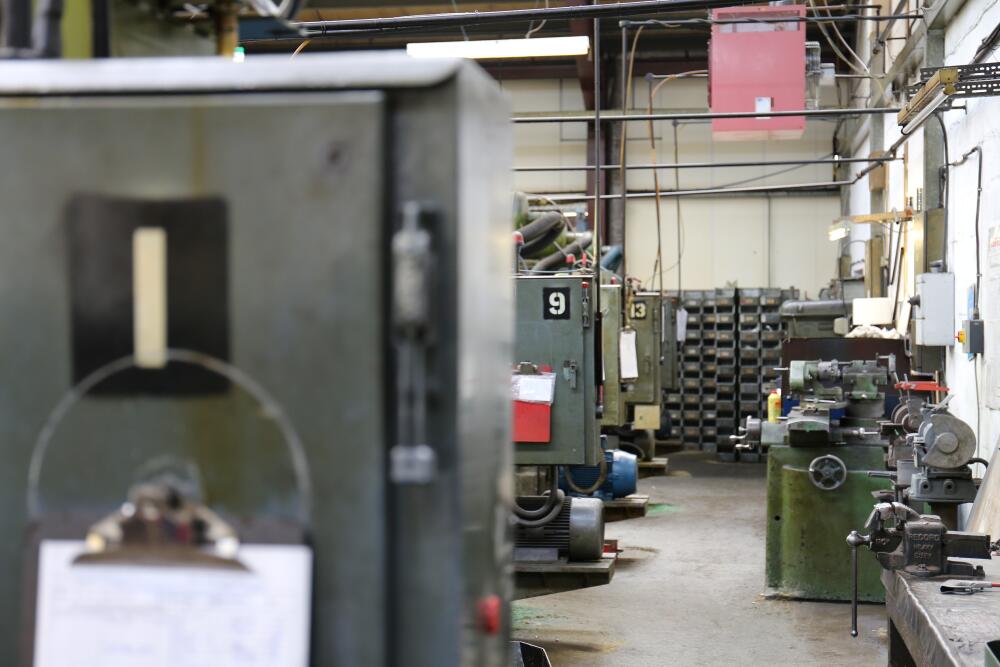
{"x":555,"y":303}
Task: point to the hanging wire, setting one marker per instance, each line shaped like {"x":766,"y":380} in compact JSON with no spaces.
{"x":454,"y":5}
{"x":658,"y":263}
{"x":531,"y":26}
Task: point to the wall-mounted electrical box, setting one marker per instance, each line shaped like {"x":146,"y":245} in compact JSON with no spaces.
{"x":934,"y":317}
{"x":972,"y":337}
{"x":758,"y":66}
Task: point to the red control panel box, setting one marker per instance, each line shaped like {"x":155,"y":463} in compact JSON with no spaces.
{"x":758,"y":66}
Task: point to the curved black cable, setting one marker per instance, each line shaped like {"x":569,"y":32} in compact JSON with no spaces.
{"x":554,"y":493}
{"x":601,"y":478}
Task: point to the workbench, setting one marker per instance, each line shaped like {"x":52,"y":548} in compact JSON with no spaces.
{"x":928,"y":628}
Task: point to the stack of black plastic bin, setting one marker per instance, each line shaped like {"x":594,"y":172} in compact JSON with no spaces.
{"x":726,"y":362}
{"x":725,"y":366}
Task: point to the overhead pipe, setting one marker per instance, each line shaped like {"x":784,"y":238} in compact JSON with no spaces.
{"x":848,"y":18}
{"x":824,"y":185}
{"x":454,"y":19}
{"x":701,"y":115}
{"x":710,"y":165}
{"x":609,"y":10}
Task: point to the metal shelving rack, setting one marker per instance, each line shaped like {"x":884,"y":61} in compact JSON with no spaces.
{"x":726,"y":362}
{"x":725,"y":369}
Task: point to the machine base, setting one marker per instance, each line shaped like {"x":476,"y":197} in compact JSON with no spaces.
{"x":807,"y":557}
{"x":630,"y":507}
{"x":532,"y":579}
{"x":655,"y":468}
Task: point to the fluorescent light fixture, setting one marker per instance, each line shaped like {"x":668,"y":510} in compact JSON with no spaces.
{"x":921,"y":116}
{"x":487,"y":49}
{"x":839,"y":230}
{"x":926,"y":101}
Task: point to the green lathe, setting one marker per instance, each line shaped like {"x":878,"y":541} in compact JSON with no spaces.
{"x":819,"y":457}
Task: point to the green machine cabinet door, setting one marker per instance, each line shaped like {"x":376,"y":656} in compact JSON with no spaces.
{"x":555,"y":329}
{"x":644,"y":317}
{"x":668,"y":345}
{"x":807,"y":527}
{"x":611,"y":327}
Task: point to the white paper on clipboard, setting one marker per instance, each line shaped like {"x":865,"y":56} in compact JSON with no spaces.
{"x":627,"y":356}
{"x":129,"y":615}
{"x":540,"y":388}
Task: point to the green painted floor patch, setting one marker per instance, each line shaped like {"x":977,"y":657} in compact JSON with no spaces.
{"x":655,"y":509}
{"x":521,"y":613}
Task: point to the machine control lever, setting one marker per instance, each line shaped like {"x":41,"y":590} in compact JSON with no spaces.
{"x":855,"y":540}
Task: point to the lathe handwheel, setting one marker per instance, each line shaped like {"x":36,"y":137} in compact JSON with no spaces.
{"x":827,"y":472}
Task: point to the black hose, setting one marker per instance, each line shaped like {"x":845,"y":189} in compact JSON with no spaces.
{"x":601,"y":478}
{"x":531,"y":250}
{"x":944,"y":186}
{"x":558,"y":257}
{"x":556,"y":510}
{"x":554,"y":492}
{"x":982,"y":462}
{"x":540,"y":225}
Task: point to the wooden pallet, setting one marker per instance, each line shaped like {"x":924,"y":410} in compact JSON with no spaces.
{"x":654,"y":468}
{"x":630,"y":507}
{"x":532,"y":579}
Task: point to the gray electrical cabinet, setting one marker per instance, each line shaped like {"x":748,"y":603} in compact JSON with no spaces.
{"x":555,"y":332}
{"x":280,"y":187}
{"x":934,"y":316}
{"x":614,"y":413}
{"x":645,"y":318}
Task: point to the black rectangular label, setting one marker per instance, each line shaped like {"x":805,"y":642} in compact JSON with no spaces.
{"x":555,"y":303}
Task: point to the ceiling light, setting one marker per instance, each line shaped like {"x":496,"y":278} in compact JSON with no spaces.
{"x":928,"y":98}
{"x":485,"y":49}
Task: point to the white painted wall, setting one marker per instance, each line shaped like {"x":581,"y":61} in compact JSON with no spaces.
{"x":975,"y":384}
{"x":743,"y":240}
{"x":977,"y":126}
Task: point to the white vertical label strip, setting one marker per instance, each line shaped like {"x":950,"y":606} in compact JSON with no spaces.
{"x":149,"y":296}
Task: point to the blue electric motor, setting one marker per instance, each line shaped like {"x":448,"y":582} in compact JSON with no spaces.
{"x":623,"y":475}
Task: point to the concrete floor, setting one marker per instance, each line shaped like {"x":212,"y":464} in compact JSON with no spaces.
{"x":687,"y":590}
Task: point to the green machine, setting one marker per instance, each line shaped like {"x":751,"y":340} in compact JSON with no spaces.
{"x":652,"y":320}
{"x":818,"y":483}
{"x":555,"y":384}
{"x":555,"y":333}
{"x":669,"y":372}
{"x":614,"y":414}
{"x":644,"y":319}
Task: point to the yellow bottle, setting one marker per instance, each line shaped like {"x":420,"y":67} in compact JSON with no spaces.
{"x":774,"y":406}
